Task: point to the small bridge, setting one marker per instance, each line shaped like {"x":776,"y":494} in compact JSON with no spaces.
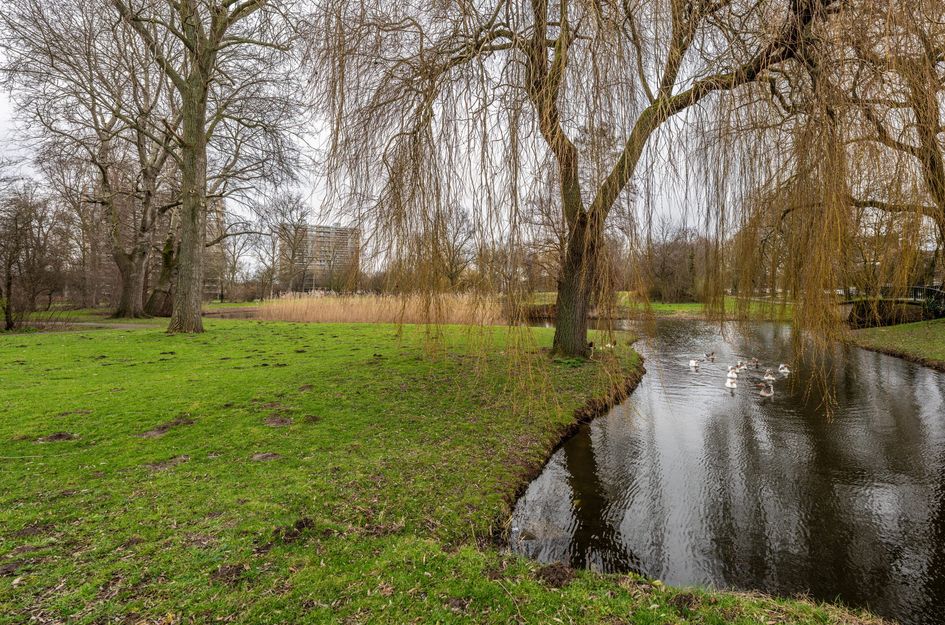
{"x":916,"y":295}
{"x":891,"y":306}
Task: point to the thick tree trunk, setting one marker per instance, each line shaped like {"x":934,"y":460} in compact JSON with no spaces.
{"x":576,"y":290}
{"x":571,"y":322}
{"x":9,"y":323}
{"x":132,"y":268}
{"x":188,"y":296}
{"x":161,"y":301}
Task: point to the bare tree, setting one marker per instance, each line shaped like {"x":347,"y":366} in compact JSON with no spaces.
{"x":236,"y":251}
{"x":173,"y":103}
{"x":32,"y":250}
{"x":68,"y":180}
{"x":676,"y":261}
{"x":13,"y":220}
{"x":265,"y":253}
{"x":410,"y":86}
{"x":213,"y":53}
{"x":91,"y":92}
{"x":286,"y":217}
{"x":455,"y":245}
{"x":894,"y":90}
{"x":850,"y":160}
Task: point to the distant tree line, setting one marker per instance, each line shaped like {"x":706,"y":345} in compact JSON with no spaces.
{"x":154,"y":126}
{"x":503,"y":146}
{"x":59,"y":248}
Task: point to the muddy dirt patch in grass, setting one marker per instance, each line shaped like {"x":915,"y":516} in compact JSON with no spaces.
{"x":168,"y":464}
{"x":555,"y":575}
{"x":34,"y":529}
{"x":131,"y":542}
{"x":685,"y":603}
{"x":229,"y":574}
{"x":276,"y":420}
{"x":265,"y":456}
{"x":284,"y":535}
{"x":458,"y":605}
{"x":23,"y":549}
{"x":9,"y":569}
{"x":199,"y":541}
{"x":164,"y":428}
{"x":56,"y":437}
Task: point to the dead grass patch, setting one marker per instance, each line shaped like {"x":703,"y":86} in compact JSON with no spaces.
{"x":457,"y":309}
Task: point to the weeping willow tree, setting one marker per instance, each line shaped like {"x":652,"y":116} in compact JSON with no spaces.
{"x":438,"y":104}
{"x":848,"y":159}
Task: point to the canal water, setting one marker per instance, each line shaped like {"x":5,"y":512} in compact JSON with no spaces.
{"x":699,"y":485}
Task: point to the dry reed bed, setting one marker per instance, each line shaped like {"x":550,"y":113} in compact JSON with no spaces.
{"x":442,"y":309}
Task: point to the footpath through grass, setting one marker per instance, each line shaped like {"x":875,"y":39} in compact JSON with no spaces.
{"x":922,"y":342}
{"x":279,"y":473}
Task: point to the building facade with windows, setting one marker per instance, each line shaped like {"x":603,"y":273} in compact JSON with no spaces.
{"x":313,"y":257}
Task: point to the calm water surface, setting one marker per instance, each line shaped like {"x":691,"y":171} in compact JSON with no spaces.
{"x":694,"y":484}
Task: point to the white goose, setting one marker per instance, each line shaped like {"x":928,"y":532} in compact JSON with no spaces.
{"x":694,"y":364}
{"x":732,"y":374}
{"x":767,"y":390}
{"x":731,"y":383}
{"x":784,"y":369}
{"x":769,"y":375}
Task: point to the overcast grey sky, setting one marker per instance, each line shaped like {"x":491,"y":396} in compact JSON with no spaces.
{"x":6,"y":115}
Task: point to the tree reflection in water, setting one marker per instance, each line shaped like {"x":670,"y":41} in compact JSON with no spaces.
{"x":691,"y":485}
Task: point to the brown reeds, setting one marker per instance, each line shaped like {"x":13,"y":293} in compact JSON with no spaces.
{"x":459,"y":309}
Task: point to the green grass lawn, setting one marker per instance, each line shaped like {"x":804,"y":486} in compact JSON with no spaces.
{"x":923,"y":341}
{"x":86,"y":315}
{"x":280,"y":473}
{"x":218,"y":305}
{"x":103,"y":315}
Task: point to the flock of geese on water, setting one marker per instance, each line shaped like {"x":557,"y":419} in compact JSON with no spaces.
{"x":766,"y":386}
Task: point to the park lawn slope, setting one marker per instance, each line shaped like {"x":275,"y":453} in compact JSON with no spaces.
{"x":922,"y":342}
{"x":309,"y":473}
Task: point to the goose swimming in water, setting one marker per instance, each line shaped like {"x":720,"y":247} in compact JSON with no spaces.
{"x":710,"y":356}
{"x":769,"y":375}
{"x":693,"y":364}
{"x":784,"y":369}
{"x":741,"y":366}
{"x":731,"y":383}
{"x":767,"y":390}
{"x":732,"y":375}
{"x":754,"y":362}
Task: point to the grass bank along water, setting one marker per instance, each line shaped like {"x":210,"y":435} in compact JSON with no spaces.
{"x":922,"y":342}
{"x":696,"y":483}
{"x":291,"y":473}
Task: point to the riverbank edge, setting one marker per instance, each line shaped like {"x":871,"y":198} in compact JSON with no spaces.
{"x":474,"y":564}
{"x":598,"y":406}
{"x":921,"y":343}
{"x":593,"y":408}
{"x":931,"y":363}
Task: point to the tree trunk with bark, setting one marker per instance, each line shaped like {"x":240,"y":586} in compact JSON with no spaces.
{"x":161,"y":301}
{"x":132,"y":268}
{"x":188,"y":296}
{"x":9,"y":323}
{"x":576,"y":287}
